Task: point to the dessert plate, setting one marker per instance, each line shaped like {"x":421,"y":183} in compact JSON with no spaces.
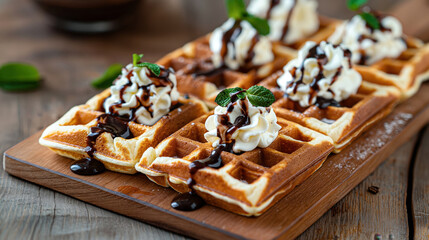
{"x":135,"y":196}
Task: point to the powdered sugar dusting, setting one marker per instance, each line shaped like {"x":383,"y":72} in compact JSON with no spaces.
{"x":374,"y":141}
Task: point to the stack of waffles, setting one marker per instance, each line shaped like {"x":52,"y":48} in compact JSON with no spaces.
{"x":250,"y":182}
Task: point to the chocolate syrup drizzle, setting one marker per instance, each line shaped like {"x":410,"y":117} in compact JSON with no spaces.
{"x":273,"y":4}
{"x":144,"y":101}
{"x":117,"y":125}
{"x":105,"y":123}
{"x":229,"y":37}
{"x":363,"y":56}
{"x":190,"y":201}
{"x":322,"y":59}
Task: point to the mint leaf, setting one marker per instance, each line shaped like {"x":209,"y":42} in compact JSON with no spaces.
{"x":137,"y":58}
{"x":108,"y":77}
{"x":19,"y":87}
{"x":154,"y":68}
{"x":260,"y":96}
{"x":236,"y":8}
{"x":19,"y":77}
{"x":224,"y":97}
{"x":371,"y":20}
{"x":261,"y":25}
{"x":354,"y":5}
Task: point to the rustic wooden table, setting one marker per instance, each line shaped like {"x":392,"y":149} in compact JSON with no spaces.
{"x":68,"y":63}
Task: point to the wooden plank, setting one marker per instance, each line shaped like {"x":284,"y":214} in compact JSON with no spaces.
{"x":287,"y":219}
{"x":363,"y":215}
{"x":420,"y":190}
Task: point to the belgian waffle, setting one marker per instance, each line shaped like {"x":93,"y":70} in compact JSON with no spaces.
{"x":68,"y":136}
{"x":196,"y":55}
{"x":406,"y":72}
{"x":248,"y":183}
{"x":371,"y":103}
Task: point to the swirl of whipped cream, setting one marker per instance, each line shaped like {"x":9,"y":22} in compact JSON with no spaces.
{"x":141,"y":96}
{"x":289,"y":20}
{"x":370,"y":45}
{"x":320,"y":72}
{"x":237,"y":44}
{"x":243,"y":124}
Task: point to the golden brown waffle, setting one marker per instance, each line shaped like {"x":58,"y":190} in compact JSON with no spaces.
{"x":343,"y":124}
{"x":196,"y":55}
{"x":406,"y":72}
{"x":248,"y":183}
{"x":68,"y":136}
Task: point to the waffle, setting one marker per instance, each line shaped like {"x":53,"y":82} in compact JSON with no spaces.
{"x":406,"y":72}
{"x":68,"y":136}
{"x":343,"y":124}
{"x":248,"y":183}
{"x":197,"y":54}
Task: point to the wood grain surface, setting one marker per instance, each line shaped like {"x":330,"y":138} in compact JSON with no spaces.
{"x":68,"y":63}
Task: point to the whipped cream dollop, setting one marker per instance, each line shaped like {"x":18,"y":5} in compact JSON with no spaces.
{"x":141,"y":96}
{"x":237,"y":44}
{"x":242,"y":124}
{"x":289,"y":20}
{"x":370,"y":45}
{"x":321,"y":74}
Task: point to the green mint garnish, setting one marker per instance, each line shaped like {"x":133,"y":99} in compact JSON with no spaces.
{"x":261,"y":25}
{"x":237,"y":10}
{"x":258,"y":96}
{"x":137,"y":58}
{"x":154,"y":68}
{"x":108,"y":77}
{"x":354,"y":5}
{"x":19,"y":77}
{"x":370,"y":19}
{"x":224,"y":97}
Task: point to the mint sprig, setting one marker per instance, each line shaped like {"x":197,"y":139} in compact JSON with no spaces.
{"x":368,"y":17}
{"x":258,"y":96}
{"x":355,"y":5}
{"x":154,"y":68}
{"x":19,"y":77}
{"x":237,"y":10}
{"x":108,"y":77}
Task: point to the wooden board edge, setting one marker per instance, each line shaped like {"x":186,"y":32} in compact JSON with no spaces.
{"x":321,"y":207}
{"x":187,"y":227}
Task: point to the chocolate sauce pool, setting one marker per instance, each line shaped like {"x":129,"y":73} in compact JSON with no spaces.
{"x":190,"y":201}
{"x":105,"y":123}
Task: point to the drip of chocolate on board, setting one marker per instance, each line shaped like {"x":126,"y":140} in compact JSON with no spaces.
{"x":190,"y":201}
{"x":322,"y":59}
{"x":105,"y":123}
{"x":144,"y":101}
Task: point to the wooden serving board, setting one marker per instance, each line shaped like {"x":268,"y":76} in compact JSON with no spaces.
{"x":137,"y":197}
